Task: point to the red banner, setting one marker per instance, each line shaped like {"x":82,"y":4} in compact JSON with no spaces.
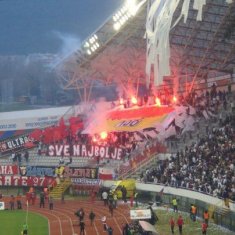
{"x":9,"y":170}
{"x":16,"y":180}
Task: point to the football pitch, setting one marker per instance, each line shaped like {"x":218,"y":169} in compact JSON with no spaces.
{"x":12,"y":223}
{"x":189,"y":227}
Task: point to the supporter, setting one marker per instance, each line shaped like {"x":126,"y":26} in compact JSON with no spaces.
{"x":105,"y":198}
{"x":206,"y":166}
{"x":51,"y":203}
{"x":12,"y":202}
{"x":42,"y":200}
{"x":115,"y":199}
{"x":175,"y":205}
{"x":18,"y":201}
{"x":180,"y":223}
{"x":124,"y":193}
{"x":204,"y":228}
{"x":82,"y":227}
{"x":13,"y":156}
{"x":206,"y":216}
{"x":172,"y":224}
{"x":80,"y":214}
{"x":110,"y":230}
{"x":111,"y":209}
{"x":92,"y":217}
{"x":26,"y":156}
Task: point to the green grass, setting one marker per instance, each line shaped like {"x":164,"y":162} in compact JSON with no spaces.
{"x":189,"y":228}
{"x":12,"y":222}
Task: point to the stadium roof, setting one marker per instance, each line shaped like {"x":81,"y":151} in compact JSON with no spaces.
{"x":119,"y":55}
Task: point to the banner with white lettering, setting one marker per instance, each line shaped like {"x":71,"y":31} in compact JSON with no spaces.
{"x":88,"y":173}
{"x":84,"y":181}
{"x":9,"y":170}
{"x":15,"y":180}
{"x":14,"y":144}
{"x":89,"y":151}
{"x":40,"y":171}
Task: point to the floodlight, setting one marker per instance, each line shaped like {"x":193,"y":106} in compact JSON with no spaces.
{"x":119,"y":14}
{"x":88,"y":52}
{"x":125,"y":17}
{"x":86,"y":44}
{"x":117,"y":26}
{"x":122,"y":21}
{"x":95,"y":36}
{"x":123,"y":10}
{"x":115,"y":18}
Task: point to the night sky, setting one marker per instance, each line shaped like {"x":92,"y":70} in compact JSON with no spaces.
{"x":47,"y":26}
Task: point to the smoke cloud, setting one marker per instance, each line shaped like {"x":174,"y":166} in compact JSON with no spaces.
{"x":69,"y":44}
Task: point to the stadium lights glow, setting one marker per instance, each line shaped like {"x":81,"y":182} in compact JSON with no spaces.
{"x":88,"y":52}
{"x":117,"y":26}
{"x":91,"y":44}
{"x":127,"y":11}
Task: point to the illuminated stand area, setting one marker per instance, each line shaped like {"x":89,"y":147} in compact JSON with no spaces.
{"x":119,"y":19}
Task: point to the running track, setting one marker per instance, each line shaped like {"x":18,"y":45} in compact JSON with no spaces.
{"x":62,"y":221}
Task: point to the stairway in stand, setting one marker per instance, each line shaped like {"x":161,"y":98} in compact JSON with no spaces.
{"x":60,"y":188}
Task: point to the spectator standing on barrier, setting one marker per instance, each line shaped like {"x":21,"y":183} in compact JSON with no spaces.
{"x":172,"y":224}
{"x":175,"y":205}
{"x":82,"y":227}
{"x":206,"y":216}
{"x":180,"y":223}
{"x":92,"y":217}
{"x":105,"y":198}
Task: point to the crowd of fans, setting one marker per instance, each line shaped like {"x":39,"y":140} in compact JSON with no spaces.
{"x":205,"y":166}
{"x":208,"y":164}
